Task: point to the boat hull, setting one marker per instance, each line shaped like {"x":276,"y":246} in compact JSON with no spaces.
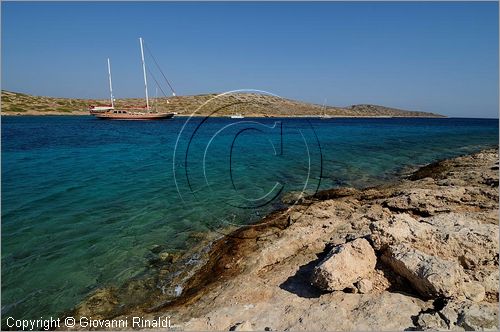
{"x":134,"y":116}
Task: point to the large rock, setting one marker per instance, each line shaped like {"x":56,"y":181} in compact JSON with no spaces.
{"x":465,"y":315}
{"x":426,"y":202}
{"x":490,"y":283}
{"x":430,"y":276}
{"x":467,"y":239}
{"x":474,"y":291}
{"x":364,"y":286}
{"x":464,"y":237}
{"x":476,"y":316}
{"x":398,"y":228}
{"x":431,"y":321}
{"x":344,"y":265}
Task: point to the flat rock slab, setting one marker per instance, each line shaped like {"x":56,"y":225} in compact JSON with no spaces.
{"x":429,"y":275}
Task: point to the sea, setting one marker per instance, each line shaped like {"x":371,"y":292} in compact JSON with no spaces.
{"x":84,"y":200}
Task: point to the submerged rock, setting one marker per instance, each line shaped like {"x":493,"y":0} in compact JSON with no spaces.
{"x":294,"y":197}
{"x":344,"y":265}
{"x":163,"y":258}
{"x":100,"y":305}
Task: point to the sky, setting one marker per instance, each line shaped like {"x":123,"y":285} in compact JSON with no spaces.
{"x":438,"y":57}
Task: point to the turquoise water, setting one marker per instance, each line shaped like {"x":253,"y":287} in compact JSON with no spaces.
{"x":83,"y":200}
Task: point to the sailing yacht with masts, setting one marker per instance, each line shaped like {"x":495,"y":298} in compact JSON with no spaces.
{"x":110,"y":113}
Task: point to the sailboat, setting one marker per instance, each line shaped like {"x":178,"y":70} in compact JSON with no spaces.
{"x":110,"y":113}
{"x":325,"y":116}
{"x":100,"y":109}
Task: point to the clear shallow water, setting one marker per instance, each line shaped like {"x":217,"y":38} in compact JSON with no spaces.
{"x":83,"y":200}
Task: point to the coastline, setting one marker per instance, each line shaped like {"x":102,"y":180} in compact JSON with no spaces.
{"x":247,"y":104}
{"x":251,"y":116}
{"x":258,"y":276}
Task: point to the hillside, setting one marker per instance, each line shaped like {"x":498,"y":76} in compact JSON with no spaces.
{"x":248,"y":104}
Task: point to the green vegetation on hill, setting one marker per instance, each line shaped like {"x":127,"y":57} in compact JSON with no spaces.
{"x":248,"y":104}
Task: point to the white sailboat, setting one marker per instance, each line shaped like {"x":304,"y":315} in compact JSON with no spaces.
{"x":325,"y":116}
{"x":110,"y":113}
{"x":99,"y":109}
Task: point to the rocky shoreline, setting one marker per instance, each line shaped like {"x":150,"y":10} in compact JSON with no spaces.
{"x":421,"y":253}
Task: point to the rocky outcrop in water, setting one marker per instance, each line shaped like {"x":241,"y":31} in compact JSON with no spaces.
{"x":418,"y":254}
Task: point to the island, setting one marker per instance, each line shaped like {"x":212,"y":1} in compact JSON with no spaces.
{"x":247,"y":104}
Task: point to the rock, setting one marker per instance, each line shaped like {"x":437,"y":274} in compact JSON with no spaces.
{"x":344,"y":265}
{"x":426,"y":201}
{"x":431,"y":321}
{"x":435,"y":170}
{"x":156,"y":249}
{"x":364,"y":286}
{"x":99,"y":305}
{"x":466,"y":238}
{"x":375,"y":212}
{"x":384,"y":312}
{"x":336,"y":193}
{"x":399,"y":228}
{"x":449,"y":314}
{"x":167,"y":257}
{"x":163,"y":258}
{"x":242,"y":326}
{"x":430,"y":276}
{"x":490,"y":282}
{"x":465,"y":315}
{"x":293,"y":197}
{"x":371,"y":193}
{"x":475,"y":316}
{"x":474,"y":291}
{"x":350,"y":237}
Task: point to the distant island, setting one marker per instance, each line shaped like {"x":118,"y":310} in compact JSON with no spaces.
{"x":248,"y":104}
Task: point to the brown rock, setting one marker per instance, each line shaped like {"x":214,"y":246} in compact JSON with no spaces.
{"x":344,"y":265}
{"x":429,"y":275}
{"x":474,"y":291}
{"x":364,"y":286}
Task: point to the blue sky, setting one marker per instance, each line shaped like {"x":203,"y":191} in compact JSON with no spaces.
{"x":430,"y":56}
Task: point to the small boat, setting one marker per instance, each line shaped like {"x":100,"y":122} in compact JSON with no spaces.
{"x":325,"y":116}
{"x":101,"y":109}
{"x":110,"y":113}
{"x":237,"y":116}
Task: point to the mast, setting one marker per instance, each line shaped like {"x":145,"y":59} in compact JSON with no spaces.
{"x":156,"y":100}
{"x":144,"y":72}
{"x":110,"y":85}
